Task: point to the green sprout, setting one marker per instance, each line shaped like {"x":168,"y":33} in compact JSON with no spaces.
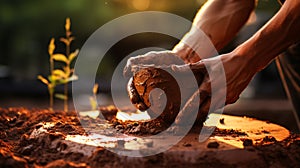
{"x":64,"y":75}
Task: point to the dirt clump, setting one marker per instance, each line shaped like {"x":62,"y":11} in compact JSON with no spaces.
{"x":24,"y":144}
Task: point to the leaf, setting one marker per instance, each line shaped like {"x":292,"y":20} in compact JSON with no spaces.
{"x":95,"y":88}
{"x":73,"y":78}
{"x":60,"y":96}
{"x":68,"y":24}
{"x":54,"y":79}
{"x":73,"y":55}
{"x":60,"y":57}
{"x":51,"y":46}
{"x":67,"y":71}
{"x":59,"y":73}
{"x":64,"y":40}
{"x":45,"y":81}
{"x":71,"y":39}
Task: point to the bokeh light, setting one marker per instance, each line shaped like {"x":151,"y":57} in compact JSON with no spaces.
{"x":141,"y":4}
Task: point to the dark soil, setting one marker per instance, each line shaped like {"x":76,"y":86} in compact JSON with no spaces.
{"x":19,"y":149}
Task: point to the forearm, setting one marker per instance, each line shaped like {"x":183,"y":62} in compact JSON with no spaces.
{"x":220,"y":20}
{"x":277,"y":35}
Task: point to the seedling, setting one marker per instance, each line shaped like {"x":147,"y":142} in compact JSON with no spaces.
{"x":64,"y":75}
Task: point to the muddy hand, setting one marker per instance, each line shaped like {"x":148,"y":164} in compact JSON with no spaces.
{"x":150,"y":59}
{"x":235,"y":71}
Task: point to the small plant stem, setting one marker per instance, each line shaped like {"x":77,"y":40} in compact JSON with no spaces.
{"x":51,"y":65}
{"x":66,"y":107}
{"x":50,"y":92}
{"x":51,"y":101}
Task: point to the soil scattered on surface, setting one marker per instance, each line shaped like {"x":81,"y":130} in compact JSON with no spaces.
{"x":19,"y":147}
{"x":213,"y":145}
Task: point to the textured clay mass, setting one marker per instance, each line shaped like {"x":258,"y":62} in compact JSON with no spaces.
{"x":157,"y":91}
{"x":147,"y":80}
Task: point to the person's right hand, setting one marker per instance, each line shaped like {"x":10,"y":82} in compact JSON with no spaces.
{"x":234,"y":69}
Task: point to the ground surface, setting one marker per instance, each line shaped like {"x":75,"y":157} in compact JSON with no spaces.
{"x":27,"y":141}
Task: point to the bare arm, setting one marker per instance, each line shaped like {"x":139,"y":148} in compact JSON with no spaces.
{"x":220,"y":20}
{"x":277,"y":35}
{"x":250,"y":57}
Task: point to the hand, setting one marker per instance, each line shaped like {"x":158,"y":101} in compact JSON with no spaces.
{"x":237,"y":72}
{"x":151,"y":59}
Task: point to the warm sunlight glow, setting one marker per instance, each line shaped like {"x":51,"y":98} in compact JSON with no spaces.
{"x":141,"y":4}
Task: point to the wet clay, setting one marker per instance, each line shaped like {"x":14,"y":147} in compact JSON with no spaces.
{"x":145,"y":81}
{"x":142,"y":93}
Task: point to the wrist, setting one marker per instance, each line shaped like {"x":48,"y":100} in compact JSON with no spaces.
{"x":254,"y":55}
{"x":242,"y":59}
{"x":186,"y":53}
{"x":194,"y":46}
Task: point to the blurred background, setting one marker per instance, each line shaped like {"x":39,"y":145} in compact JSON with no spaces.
{"x":27,"y":27}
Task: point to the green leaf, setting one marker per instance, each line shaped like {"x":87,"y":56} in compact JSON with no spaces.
{"x":42,"y":79}
{"x":60,"y":57}
{"x":73,"y":55}
{"x":59,"y":73}
{"x":51,"y":78}
{"x":60,"y":96}
{"x":54,"y":79}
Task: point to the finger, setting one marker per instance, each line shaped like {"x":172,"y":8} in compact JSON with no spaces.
{"x":210,"y":105}
{"x":153,"y":58}
{"x":191,"y":107}
{"x":134,"y":62}
{"x":199,"y":67}
{"x":133,"y":95}
{"x":126,"y":72}
{"x":205,"y":86}
{"x":213,"y":103}
{"x":203,"y":110}
{"x":127,"y":69}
